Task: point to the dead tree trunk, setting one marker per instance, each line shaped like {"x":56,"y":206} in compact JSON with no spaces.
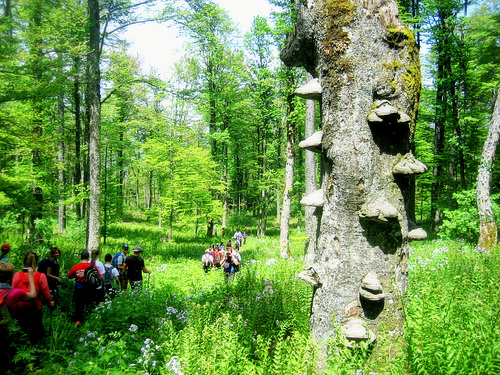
{"x":488,"y":232}
{"x":368,"y":68}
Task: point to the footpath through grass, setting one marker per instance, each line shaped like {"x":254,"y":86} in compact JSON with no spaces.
{"x":189,"y":322}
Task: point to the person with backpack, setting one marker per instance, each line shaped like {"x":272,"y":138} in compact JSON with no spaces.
{"x":217,"y":257}
{"x":29,"y":314}
{"x":118,"y":262}
{"x":82,"y":296}
{"x":110,"y":274}
{"x":134,"y":266}
{"x":207,"y":260}
{"x":99,"y":290}
{"x":237,"y":256}
{"x":5,"y":251}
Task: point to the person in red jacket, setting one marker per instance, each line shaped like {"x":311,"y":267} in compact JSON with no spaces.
{"x":29,"y":314}
{"x":81,"y":297}
{"x":11,"y":298}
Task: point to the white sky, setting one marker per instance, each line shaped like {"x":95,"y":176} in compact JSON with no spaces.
{"x":160,"y":46}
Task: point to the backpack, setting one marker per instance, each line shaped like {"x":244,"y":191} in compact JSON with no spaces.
{"x":108,"y":276}
{"x":44,"y":264}
{"x":114,"y":261}
{"x":4,"y":311}
{"x":92,"y":278}
{"x":216,"y":257}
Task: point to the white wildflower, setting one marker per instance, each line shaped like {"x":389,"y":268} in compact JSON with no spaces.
{"x":133,"y":328}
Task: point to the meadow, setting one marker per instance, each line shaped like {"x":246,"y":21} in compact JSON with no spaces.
{"x":189,"y":322}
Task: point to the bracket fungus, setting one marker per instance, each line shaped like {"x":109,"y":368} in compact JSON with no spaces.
{"x":313,"y":143}
{"x":311,"y":90}
{"x":379,"y":209}
{"x":408,"y":165}
{"x":316,"y":199}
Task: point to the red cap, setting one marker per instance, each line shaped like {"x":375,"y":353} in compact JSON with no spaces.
{"x":5,"y":247}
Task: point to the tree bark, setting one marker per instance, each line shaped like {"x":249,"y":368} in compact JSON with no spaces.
{"x":488,"y":233}
{"x":77,"y":176}
{"x":35,"y":47}
{"x":368,"y":66}
{"x":61,"y":160}
{"x":311,"y":220}
{"x":94,"y":100}
{"x":290,"y":159}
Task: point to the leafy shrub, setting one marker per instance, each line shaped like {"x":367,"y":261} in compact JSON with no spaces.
{"x":463,"y":221}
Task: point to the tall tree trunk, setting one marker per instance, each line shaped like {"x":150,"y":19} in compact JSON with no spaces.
{"x":105,"y":208}
{"x":61,"y":160}
{"x":368,"y":66}
{"x":439,"y":143}
{"x":290,"y":159}
{"x":488,"y":233}
{"x":36,"y":56}
{"x":94,"y":100}
{"x":121,"y":176}
{"x":311,"y":220}
{"x":77,"y":176}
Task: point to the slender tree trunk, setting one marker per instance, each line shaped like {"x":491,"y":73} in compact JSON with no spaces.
{"x":121,"y":176}
{"x":488,"y":233}
{"x":77,"y":176}
{"x":105,"y":201}
{"x":439,"y":137}
{"x":94,"y":100}
{"x":36,"y":56}
{"x":60,"y":158}
{"x":287,"y":193}
{"x":311,"y":220}
{"x":278,"y":206}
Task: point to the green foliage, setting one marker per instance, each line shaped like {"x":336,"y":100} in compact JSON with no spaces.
{"x":186,"y":320}
{"x":452,"y":313}
{"x":462,"y":222}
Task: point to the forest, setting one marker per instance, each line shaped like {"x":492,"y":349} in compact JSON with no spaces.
{"x":97,"y":152}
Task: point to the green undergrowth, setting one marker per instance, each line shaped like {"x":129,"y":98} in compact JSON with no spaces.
{"x":453,"y":311}
{"x":189,"y":322}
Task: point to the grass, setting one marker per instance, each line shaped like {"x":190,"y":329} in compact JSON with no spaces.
{"x":189,"y":322}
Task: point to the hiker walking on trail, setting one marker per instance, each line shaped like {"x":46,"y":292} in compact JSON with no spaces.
{"x":50,"y":267}
{"x":237,"y":256}
{"x":83,"y":294}
{"x":99,"y":292}
{"x":119,"y":262}
{"x":134,"y":265}
{"x":30,"y":314}
{"x":230,"y":263}
{"x":207,"y":260}
{"x":110,"y":274}
{"x":10,"y":296}
{"x":217,"y":257}
{"x":9,"y":300}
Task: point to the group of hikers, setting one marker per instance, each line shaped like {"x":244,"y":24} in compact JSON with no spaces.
{"x":227,"y":257}
{"x":23,"y":293}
